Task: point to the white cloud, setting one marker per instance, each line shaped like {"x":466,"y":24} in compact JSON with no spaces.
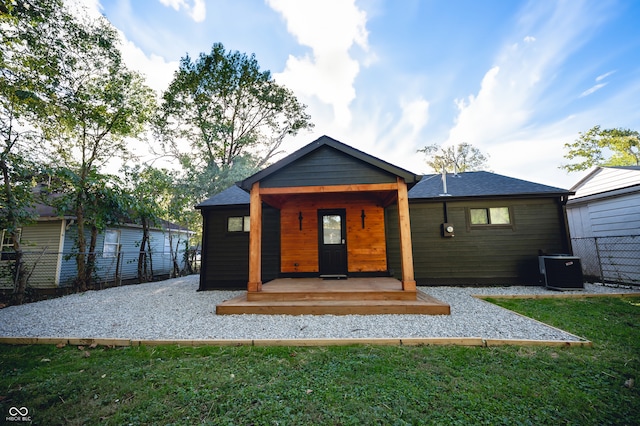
{"x":592,"y":89}
{"x":497,"y":110}
{"x":416,"y":114}
{"x":157,"y":71}
{"x":512,"y":90}
{"x":603,"y":76}
{"x":197,"y":11}
{"x":329,"y":71}
{"x":598,"y":86}
{"x":503,"y":117}
{"x":92,"y":8}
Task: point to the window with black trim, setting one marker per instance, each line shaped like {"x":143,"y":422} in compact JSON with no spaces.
{"x":6,"y":247}
{"x":489,"y":216}
{"x":238,"y":224}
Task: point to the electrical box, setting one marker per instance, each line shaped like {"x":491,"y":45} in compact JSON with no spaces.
{"x":447,"y":230}
{"x":561,"y":272}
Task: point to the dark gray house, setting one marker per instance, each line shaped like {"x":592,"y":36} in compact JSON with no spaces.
{"x":331,"y":210}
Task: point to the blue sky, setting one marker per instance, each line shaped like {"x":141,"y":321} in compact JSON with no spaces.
{"x":517,"y":79}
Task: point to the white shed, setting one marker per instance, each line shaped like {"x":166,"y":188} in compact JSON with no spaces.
{"x":604,"y":222}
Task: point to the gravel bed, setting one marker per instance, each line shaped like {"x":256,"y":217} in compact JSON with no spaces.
{"x":173,"y":309}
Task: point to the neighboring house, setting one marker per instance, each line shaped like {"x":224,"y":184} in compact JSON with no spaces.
{"x":604,"y":220}
{"x":49,"y":248}
{"x":331,"y":210}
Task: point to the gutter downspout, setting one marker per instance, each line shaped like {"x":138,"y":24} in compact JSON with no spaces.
{"x":63,"y":229}
{"x":565,"y":223}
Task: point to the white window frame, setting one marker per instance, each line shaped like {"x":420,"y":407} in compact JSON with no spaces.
{"x":114,"y":247}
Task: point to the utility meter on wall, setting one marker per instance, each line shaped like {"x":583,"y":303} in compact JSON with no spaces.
{"x":447,"y":230}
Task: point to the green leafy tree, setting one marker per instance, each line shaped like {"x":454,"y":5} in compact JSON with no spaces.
{"x":29,"y":59}
{"x":603,"y":147}
{"x":228,"y":113}
{"x":150,"y":191}
{"x":181,"y":212}
{"x":463,"y":157}
{"x":100,"y":103}
{"x":198,"y":184}
{"x":103,"y":202}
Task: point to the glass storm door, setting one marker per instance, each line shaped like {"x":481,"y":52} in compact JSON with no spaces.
{"x":332,"y":242}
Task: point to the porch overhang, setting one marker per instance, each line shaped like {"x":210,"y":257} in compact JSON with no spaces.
{"x":385,"y":193}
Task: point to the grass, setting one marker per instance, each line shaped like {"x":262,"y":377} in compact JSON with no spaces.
{"x":348,"y":385}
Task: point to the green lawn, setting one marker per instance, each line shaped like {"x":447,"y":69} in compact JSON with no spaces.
{"x":350,"y":385}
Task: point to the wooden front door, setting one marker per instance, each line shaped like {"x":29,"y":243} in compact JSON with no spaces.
{"x":332,"y":248}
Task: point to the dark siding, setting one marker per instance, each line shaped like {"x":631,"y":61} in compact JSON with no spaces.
{"x":327,"y":166}
{"x":479,"y":256}
{"x":270,"y":243}
{"x":226,"y":255}
{"x":393,"y":240}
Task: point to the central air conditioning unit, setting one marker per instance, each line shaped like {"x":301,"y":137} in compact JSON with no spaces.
{"x":561,"y":272}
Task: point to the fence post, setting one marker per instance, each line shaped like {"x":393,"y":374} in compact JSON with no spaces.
{"x":595,"y":239}
{"x":117,"y":279}
{"x":17,"y":272}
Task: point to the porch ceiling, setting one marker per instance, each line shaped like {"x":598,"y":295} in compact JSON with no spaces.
{"x":380,"y":194}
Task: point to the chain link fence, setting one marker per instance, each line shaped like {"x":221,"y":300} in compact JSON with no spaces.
{"x":609,"y":259}
{"x":46,"y":270}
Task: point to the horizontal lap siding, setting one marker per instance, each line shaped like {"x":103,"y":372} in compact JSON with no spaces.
{"x":608,"y":179}
{"x":130,"y":241}
{"x":327,"y":166}
{"x":619,"y":217}
{"x":225,"y":255}
{"x":226,"y":261}
{"x":366,"y":248}
{"x":42,"y":237}
{"x":127,"y":267}
{"x":270,"y":243}
{"x":40,"y":244}
{"x":489,"y":255}
{"x":613,"y":252}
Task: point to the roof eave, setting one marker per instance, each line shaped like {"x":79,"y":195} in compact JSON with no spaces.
{"x":451,"y":197}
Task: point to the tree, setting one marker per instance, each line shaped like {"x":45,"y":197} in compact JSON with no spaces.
{"x":603,"y":147}
{"x":100,"y":103}
{"x":463,"y":157}
{"x":150,"y":190}
{"x":181,"y":212}
{"x":102,"y":201}
{"x":29,"y":56}
{"x":227,"y":111}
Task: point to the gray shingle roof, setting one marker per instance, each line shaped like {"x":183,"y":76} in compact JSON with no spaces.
{"x":462,"y":185}
{"x":479,"y":184}
{"x":231,"y":196}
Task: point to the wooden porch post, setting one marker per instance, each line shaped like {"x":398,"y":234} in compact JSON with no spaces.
{"x":255,"y":240}
{"x":406,"y":251}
